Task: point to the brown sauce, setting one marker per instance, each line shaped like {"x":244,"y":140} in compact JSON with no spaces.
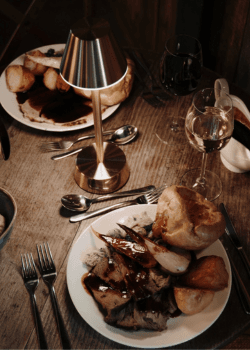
{"x":177,"y":313}
{"x":136,"y":279}
{"x":132,"y":250}
{"x":95,"y":283}
{"x":85,"y":276}
{"x":53,"y":105}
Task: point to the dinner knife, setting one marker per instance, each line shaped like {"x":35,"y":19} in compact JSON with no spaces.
{"x":230,"y":230}
{"x":4,"y":141}
{"x":240,"y":287}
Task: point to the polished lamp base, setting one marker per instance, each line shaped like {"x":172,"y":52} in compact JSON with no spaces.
{"x":105,"y":177}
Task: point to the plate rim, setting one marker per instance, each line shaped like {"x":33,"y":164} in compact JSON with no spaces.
{"x":35,"y":125}
{"x":107,"y":331}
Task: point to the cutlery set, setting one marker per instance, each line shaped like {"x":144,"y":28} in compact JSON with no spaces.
{"x":122,"y":135}
{"x":81,"y":203}
{"x":233,"y":237}
{"x":31,"y":280}
{"x":148,"y":198}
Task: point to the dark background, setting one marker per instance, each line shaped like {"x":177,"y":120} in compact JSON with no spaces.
{"x":222,"y":26}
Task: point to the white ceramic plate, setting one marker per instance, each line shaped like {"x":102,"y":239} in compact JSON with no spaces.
{"x":179,"y":330}
{"x":9,"y":102}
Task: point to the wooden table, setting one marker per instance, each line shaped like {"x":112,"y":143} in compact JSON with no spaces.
{"x":38,"y":183}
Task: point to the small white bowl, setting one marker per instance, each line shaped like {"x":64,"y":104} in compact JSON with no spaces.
{"x":234,"y":156}
{"x":8,"y":209}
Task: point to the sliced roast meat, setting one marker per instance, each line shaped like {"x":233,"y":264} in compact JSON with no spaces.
{"x":107,"y":298}
{"x":110,"y":270}
{"x":145,"y":314}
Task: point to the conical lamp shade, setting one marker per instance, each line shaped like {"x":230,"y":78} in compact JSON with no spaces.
{"x":92,"y":59}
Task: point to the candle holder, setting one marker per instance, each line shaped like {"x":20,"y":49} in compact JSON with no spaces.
{"x":92,"y":60}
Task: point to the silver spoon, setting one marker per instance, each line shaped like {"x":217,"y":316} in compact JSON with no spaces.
{"x":78,"y":202}
{"x":120,"y":136}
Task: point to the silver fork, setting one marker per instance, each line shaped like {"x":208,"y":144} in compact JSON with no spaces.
{"x":31,"y":281}
{"x":148,"y":198}
{"x":58,"y":145}
{"x":49,"y":274}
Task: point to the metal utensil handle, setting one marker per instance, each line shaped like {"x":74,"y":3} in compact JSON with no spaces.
{"x":39,"y":327}
{"x":86,"y":137}
{"x":61,"y":327}
{"x":125,"y":193}
{"x":67,"y":154}
{"x":105,"y":210}
{"x":231,"y":233}
{"x":244,"y":259}
{"x":240,"y":287}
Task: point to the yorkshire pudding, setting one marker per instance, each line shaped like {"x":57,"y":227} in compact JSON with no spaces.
{"x":185,"y":219}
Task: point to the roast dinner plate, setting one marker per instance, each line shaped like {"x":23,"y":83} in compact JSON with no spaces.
{"x":179,"y":330}
{"x":10,"y":104}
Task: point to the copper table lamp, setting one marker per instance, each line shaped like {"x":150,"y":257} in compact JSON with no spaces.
{"x":93,"y":61}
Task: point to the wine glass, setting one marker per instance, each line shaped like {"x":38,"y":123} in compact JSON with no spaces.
{"x":209,"y":126}
{"x":180,"y":73}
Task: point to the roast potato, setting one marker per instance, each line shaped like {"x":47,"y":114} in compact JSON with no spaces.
{"x":192,"y":301}
{"x":207,"y":272}
{"x":35,"y":68}
{"x":19,"y":78}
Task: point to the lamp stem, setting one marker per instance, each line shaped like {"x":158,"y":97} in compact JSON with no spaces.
{"x":98,"y":125}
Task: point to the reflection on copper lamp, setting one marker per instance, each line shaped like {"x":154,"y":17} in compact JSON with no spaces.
{"x":93,"y":61}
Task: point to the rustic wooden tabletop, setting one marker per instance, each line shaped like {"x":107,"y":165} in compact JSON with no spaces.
{"x":38,"y":183}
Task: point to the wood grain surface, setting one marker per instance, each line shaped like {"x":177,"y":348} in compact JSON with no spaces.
{"x":38,"y":183}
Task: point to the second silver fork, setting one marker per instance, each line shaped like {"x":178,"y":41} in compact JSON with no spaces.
{"x":49,"y":274}
{"x":31,"y":281}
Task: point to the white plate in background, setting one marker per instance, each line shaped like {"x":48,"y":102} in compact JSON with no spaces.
{"x":10,"y":104}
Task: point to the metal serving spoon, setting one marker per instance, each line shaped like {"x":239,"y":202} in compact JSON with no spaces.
{"x":78,"y":202}
{"x":120,"y":136}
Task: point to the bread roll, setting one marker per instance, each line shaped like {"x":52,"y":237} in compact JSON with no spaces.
{"x":35,"y":68}
{"x":2,"y":224}
{"x":192,"y":301}
{"x":116,"y":93}
{"x":19,"y":78}
{"x":207,"y":272}
{"x":185,"y":219}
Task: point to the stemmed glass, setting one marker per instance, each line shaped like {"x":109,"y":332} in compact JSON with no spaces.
{"x":209,"y":126}
{"x":180,"y":73}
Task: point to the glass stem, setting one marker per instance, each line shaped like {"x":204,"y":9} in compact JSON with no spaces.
{"x":202,"y":179}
